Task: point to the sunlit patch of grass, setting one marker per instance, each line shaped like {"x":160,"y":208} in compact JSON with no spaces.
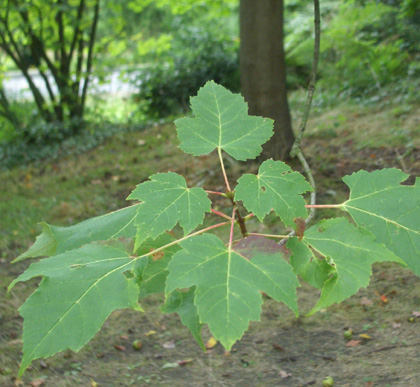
{"x":391,"y":121}
{"x":366,"y":127}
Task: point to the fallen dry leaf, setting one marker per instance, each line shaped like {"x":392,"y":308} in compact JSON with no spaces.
{"x":415,"y":313}
{"x":284,"y":374}
{"x":15,"y":342}
{"x":366,"y":302}
{"x":353,"y":343}
{"x":364,"y":336}
{"x":124,"y":337}
{"x":120,"y":347}
{"x":185,"y":361}
{"x":93,"y":383}
{"x":384,"y":299}
{"x":37,"y":382}
{"x":43,"y":364}
{"x":211,"y":343}
{"x":150,"y":333}
{"x":169,"y":344}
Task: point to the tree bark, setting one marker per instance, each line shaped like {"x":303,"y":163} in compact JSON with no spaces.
{"x":263,"y":70}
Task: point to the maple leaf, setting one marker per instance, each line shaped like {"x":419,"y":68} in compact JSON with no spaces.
{"x":229,"y":285}
{"x":389,"y":210}
{"x":275,"y":187}
{"x":79,"y":290}
{"x":166,"y":200}
{"x":221,"y":122}
{"x":349,"y":253}
{"x":56,"y":240}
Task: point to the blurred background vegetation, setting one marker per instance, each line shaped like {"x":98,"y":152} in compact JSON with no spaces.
{"x":133,"y":63}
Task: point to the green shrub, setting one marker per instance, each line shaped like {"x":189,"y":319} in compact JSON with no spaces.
{"x":367,"y":45}
{"x":196,"y":56}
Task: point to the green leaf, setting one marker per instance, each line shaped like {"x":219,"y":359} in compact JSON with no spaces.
{"x":152,"y":279}
{"x":166,"y":200}
{"x":275,"y":187}
{"x":312,"y":270}
{"x":56,"y":240}
{"x":389,"y":210}
{"x":349,"y":252}
{"x":79,"y":290}
{"x":183,"y":304}
{"x":228,"y":285}
{"x":221,"y":122}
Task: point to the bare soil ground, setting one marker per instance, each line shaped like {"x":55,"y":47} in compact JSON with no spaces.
{"x":278,"y":351}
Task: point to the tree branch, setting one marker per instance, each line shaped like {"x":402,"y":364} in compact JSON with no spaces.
{"x":7,"y":112}
{"x":48,"y":86}
{"x":90,"y":55}
{"x":40,"y":47}
{"x":311,"y":88}
{"x":61,"y":38}
{"x":79,"y":65}
{"x":79,"y":16}
{"x":296,"y":150}
{"x":19,"y":60}
{"x":241,"y":220}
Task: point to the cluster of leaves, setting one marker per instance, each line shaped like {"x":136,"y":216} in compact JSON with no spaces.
{"x":207,"y":280}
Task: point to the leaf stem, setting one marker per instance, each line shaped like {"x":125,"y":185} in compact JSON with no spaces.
{"x":324,"y":206}
{"x":232,"y":224}
{"x":183,"y":239}
{"x":219,"y":151}
{"x":249,"y":216}
{"x":216,"y":193}
{"x":269,"y":235}
{"x":221,"y":214}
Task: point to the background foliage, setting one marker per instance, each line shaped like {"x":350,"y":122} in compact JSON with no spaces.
{"x":370,"y":53}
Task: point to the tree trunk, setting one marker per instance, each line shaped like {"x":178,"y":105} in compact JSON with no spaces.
{"x":263,"y":70}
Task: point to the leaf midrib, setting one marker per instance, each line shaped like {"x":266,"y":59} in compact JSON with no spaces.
{"x":387,"y":220}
